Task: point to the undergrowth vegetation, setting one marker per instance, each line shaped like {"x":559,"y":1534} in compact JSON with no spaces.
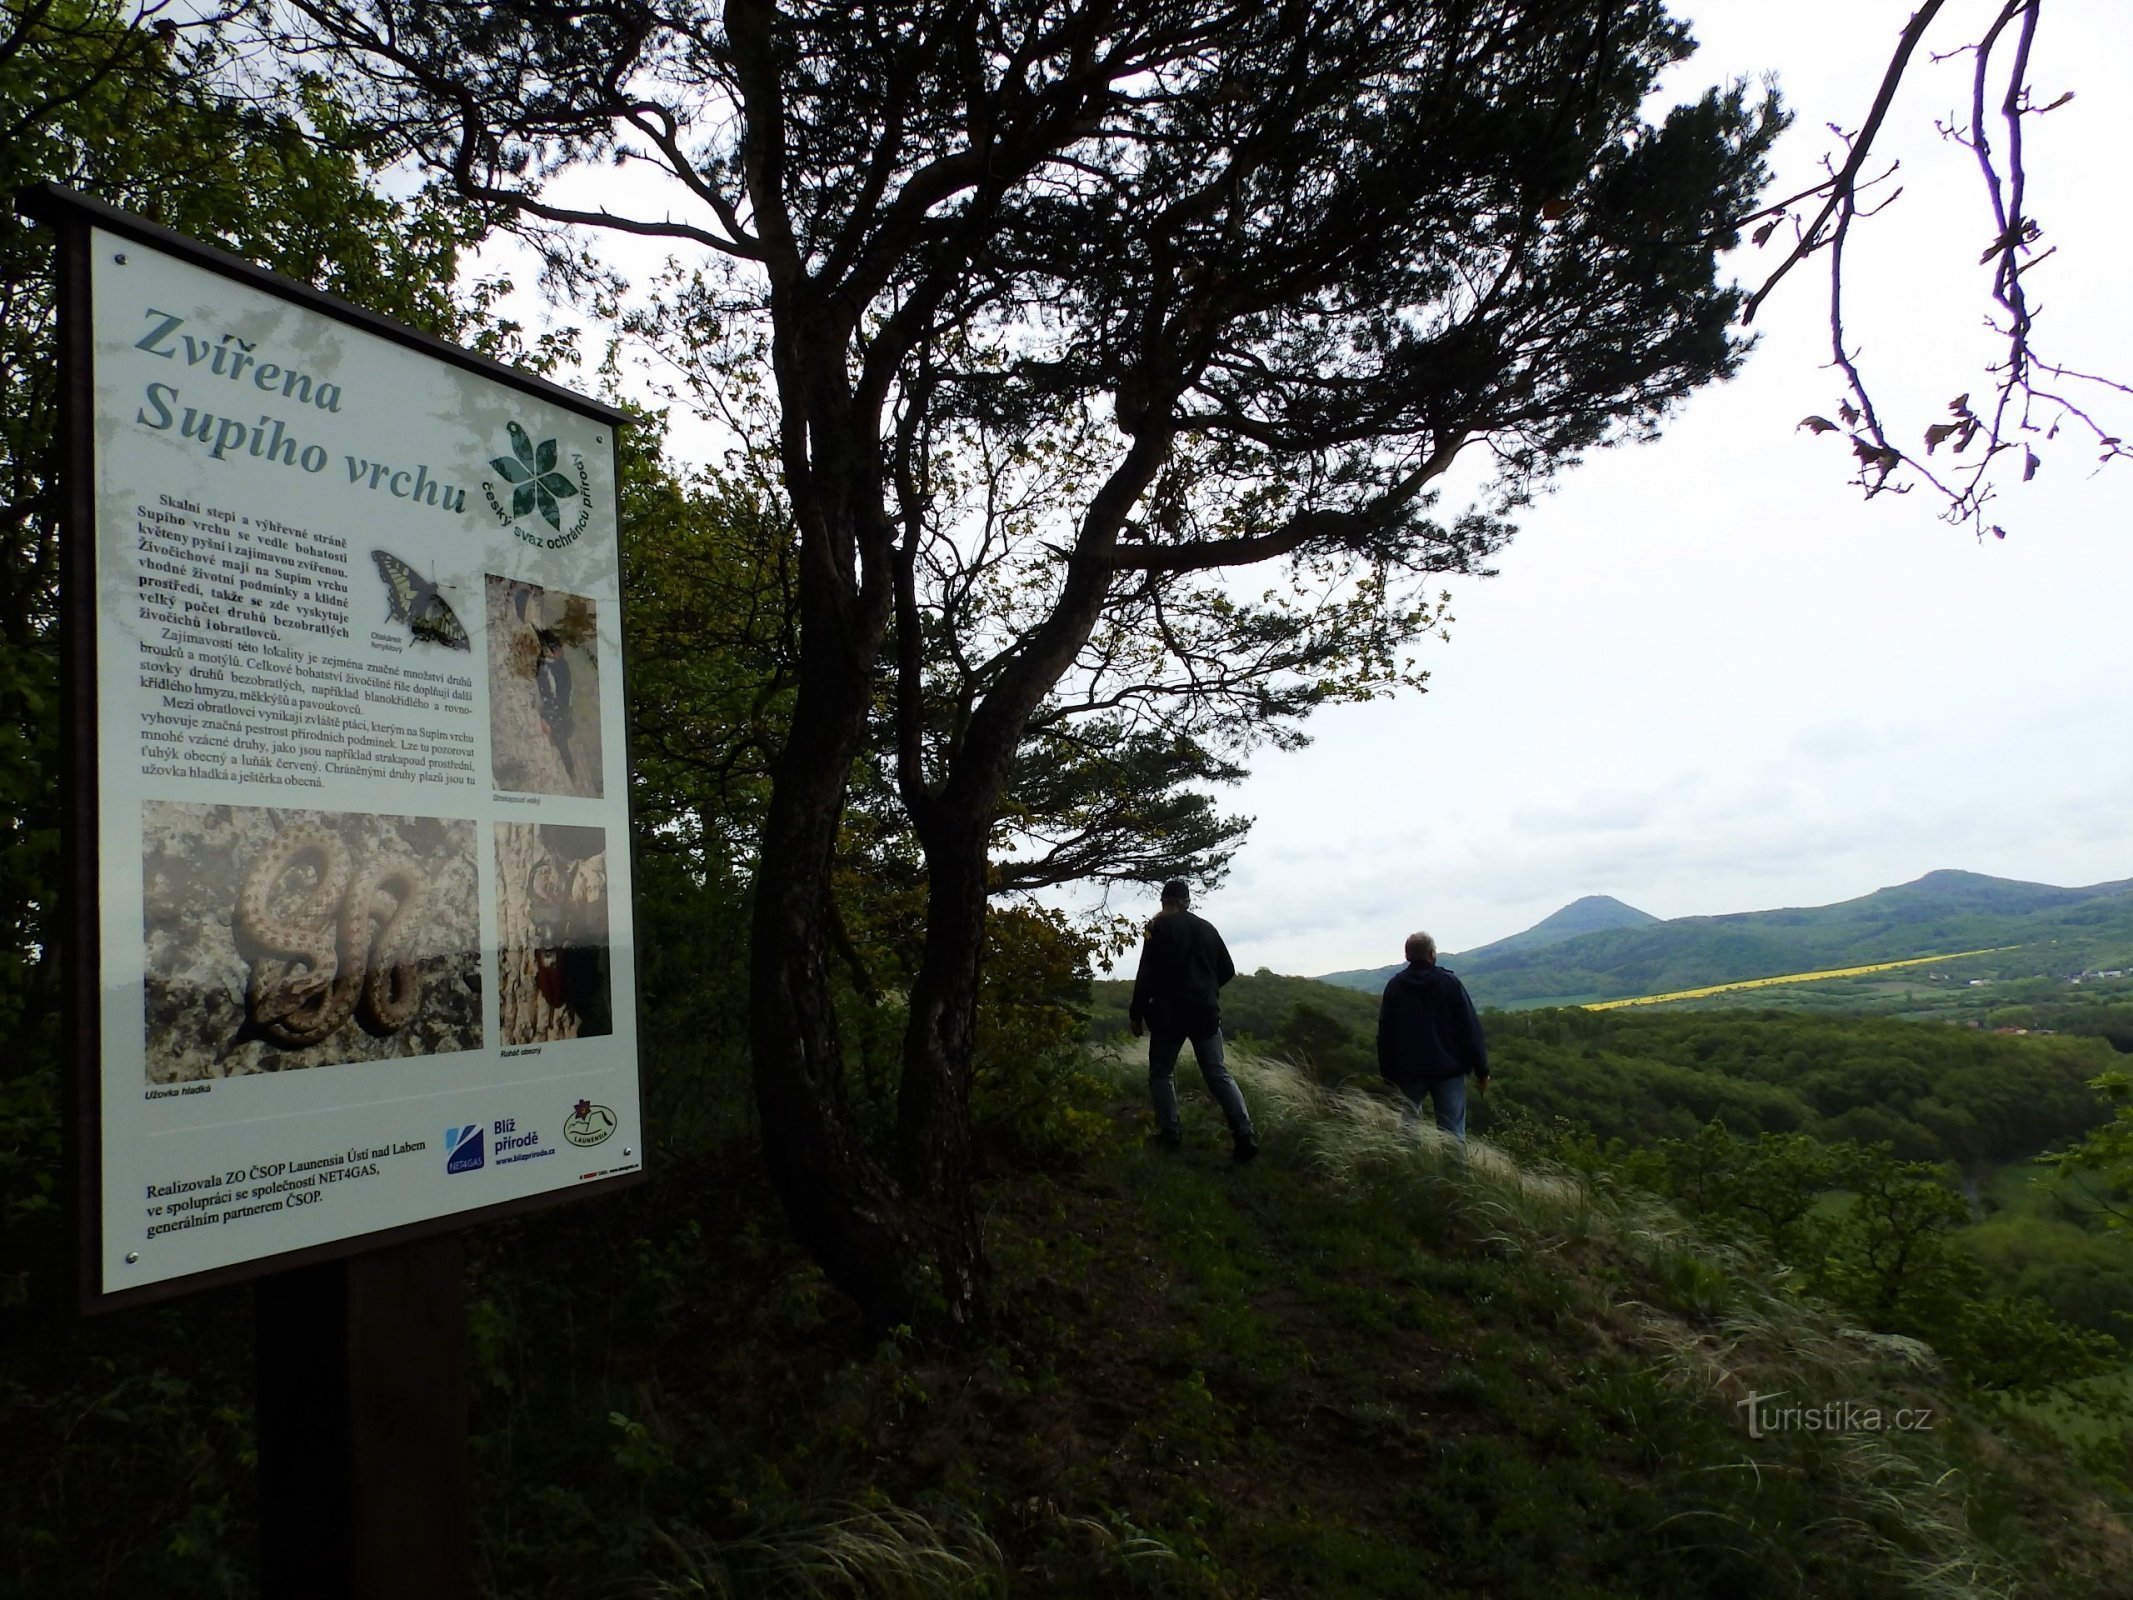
{"x":1360,"y":1367}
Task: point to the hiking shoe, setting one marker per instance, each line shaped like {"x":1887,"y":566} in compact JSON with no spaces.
{"x":1245,"y":1148}
{"x":1165,"y":1139}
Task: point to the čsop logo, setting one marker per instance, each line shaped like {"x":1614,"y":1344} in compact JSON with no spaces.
{"x":540,"y":490}
{"x":589,"y":1124}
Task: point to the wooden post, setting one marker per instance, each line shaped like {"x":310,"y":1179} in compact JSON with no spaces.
{"x":362,"y":1398}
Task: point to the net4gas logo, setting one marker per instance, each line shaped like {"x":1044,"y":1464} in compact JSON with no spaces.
{"x":463,"y":1148}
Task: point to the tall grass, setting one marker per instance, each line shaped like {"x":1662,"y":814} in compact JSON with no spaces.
{"x":863,"y":1552}
{"x":856,"y":1553}
{"x":1716,"y":1321}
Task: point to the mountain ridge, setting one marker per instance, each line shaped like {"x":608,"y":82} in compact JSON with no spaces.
{"x":1944,"y":910}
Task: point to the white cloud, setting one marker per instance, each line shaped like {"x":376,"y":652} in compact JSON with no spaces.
{"x":1709,"y":677}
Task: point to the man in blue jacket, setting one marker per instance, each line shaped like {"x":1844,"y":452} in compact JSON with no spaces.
{"x":1177,"y":996}
{"x":1429,"y":1038}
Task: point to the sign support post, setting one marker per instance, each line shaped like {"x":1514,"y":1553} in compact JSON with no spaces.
{"x":362,"y":1426}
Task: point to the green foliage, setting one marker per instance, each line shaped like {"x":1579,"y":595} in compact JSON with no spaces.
{"x":713,"y":635}
{"x":1889,"y":1259}
{"x":126,"y":1467}
{"x":2086,"y":1278}
{"x":1930,"y":1091}
{"x":712,"y":638}
{"x":1343,"y":1375}
{"x":1769,"y":1189}
{"x":1325,"y":1045}
{"x":1034,"y":1099}
{"x":2103,"y":1162}
{"x":1255,"y":1005}
{"x":1893,"y":1254}
{"x":692,"y":975}
{"x":1106,"y":802}
{"x":1504,"y":1242}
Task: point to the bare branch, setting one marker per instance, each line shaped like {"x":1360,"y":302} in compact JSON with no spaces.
{"x":2019,"y":414}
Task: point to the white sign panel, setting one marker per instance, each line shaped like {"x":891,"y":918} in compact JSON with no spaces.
{"x":365,"y":941}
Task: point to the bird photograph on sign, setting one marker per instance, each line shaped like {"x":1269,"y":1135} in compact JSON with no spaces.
{"x":544,"y":695}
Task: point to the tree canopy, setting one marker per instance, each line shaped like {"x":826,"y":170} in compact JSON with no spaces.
{"x":93,"y":98}
{"x":1073,"y":312}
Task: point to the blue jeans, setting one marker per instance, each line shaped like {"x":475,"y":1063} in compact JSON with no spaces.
{"x":1163,"y":1051}
{"x":1447,"y":1098}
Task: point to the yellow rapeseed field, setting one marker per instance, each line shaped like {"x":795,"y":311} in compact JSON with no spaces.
{"x":1790,"y":977}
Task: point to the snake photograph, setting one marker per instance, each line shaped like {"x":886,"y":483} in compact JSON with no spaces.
{"x":328,"y":936}
{"x":282,"y":938}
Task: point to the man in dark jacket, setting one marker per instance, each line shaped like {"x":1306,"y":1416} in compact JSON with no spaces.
{"x":1177,"y":996}
{"x":1429,"y":1038}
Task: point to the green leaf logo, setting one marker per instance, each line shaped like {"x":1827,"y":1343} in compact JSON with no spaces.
{"x":530,"y":470}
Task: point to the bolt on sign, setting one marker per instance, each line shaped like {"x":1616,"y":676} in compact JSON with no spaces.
{"x":352,"y":956}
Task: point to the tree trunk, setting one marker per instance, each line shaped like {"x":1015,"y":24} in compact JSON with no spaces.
{"x":909,"y":1252}
{"x":933,"y":1142}
{"x":933,"y":1134}
{"x":876,"y":1240}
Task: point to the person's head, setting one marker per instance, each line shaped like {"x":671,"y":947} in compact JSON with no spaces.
{"x":1176,"y":897}
{"x":1421,"y":947}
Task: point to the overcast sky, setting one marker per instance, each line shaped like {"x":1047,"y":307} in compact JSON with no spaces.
{"x":1710,"y":678}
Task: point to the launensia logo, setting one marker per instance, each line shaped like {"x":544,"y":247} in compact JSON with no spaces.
{"x":589,"y":1124}
{"x":539,"y":487}
{"x":463,"y":1148}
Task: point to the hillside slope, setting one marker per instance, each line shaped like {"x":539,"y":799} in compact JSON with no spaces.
{"x":1336,"y":1374}
{"x":1594,"y":913}
{"x":1255,"y":1005}
{"x":1341,"y":1373}
{"x":2036,"y":927}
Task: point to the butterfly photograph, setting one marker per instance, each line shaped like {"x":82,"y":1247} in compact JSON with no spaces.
{"x":413,"y":599}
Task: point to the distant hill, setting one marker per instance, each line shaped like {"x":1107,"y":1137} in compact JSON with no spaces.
{"x":2053,"y":929}
{"x":2050,"y":929}
{"x":1595,"y":913}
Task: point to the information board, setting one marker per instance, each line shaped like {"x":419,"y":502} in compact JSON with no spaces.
{"x":362,"y":933}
